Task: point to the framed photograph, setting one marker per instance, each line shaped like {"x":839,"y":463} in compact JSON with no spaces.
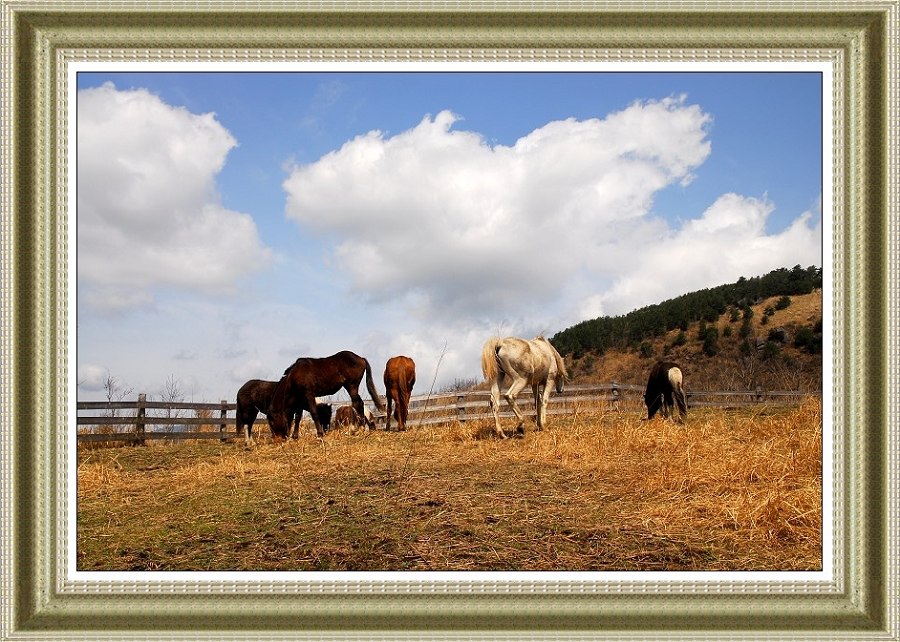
{"x":440,"y":107}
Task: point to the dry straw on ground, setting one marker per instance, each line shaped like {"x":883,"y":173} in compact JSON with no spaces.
{"x":729,"y":490}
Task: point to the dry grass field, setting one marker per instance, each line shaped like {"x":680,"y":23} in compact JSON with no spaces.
{"x":729,"y":490}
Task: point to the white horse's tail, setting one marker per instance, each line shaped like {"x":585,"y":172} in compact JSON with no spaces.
{"x":489,"y":366}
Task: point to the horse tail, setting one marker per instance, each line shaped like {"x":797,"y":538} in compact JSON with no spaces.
{"x":370,"y":384}
{"x":402,"y":384}
{"x":676,"y":379}
{"x":403,"y":402}
{"x":489,"y":367}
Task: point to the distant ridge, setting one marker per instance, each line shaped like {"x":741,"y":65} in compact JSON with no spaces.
{"x":653,"y":321}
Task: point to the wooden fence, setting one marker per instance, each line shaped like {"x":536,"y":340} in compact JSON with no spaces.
{"x":128,"y":421}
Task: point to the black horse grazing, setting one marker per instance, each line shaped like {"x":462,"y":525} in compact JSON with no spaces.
{"x":255,"y":397}
{"x":323,"y":412}
{"x":308,"y":378}
{"x":664,"y":391}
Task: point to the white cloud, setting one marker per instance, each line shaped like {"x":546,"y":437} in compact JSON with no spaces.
{"x":466,"y":226}
{"x":727,"y":241}
{"x":148,"y":211}
{"x":469,"y":238}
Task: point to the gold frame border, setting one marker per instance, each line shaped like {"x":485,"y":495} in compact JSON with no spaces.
{"x":38,"y":600}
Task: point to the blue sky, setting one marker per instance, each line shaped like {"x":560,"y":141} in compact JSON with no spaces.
{"x":231,"y":222}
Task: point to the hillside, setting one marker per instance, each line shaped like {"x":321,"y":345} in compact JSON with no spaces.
{"x":709,"y":304}
{"x":781,"y":350}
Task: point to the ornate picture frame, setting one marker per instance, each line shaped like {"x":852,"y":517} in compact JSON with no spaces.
{"x":41,"y":40}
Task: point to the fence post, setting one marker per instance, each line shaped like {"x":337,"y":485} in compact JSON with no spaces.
{"x":222,"y":414}
{"x":460,"y":409}
{"x":139,"y":419}
{"x":615,"y":394}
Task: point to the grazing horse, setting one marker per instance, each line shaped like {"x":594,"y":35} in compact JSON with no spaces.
{"x":399,"y":379}
{"x":323,"y":411}
{"x":307,"y":378}
{"x":255,"y":397}
{"x":521,"y":362}
{"x":665,"y":391}
{"x":346,"y":416}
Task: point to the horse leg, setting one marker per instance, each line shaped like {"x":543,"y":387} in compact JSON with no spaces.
{"x":495,"y":407}
{"x":296,"y":432}
{"x":511,"y":393}
{"x":542,"y":403}
{"x":682,"y":405}
{"x":248,"y":438}
{"x":538,"y":409}
{"x":402,"y":410}
{"x":246,"y":423}
{"x":357,"y":403}
{"x":668,"y":404}
{"x":390,"y":405}
{"x":310,"y":401}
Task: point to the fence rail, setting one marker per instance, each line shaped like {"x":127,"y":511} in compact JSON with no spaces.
{"x":130,"y":419}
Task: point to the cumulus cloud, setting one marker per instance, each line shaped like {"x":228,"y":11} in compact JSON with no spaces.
{"x":726,"y":242}
{"x":557,"y":227}
{"x":149,"y":214}
{"x":441,"y":215}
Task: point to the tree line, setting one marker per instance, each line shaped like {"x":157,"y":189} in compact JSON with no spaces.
{"x":630,"y":330}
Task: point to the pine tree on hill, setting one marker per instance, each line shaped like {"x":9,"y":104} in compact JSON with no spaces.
{"x":636,"y":327}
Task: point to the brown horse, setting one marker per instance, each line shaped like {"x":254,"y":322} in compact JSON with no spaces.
{"x":308,"y":378}
{"x":346,"y":416}
{"x":255,"y":397}
{"x":399,"y":379}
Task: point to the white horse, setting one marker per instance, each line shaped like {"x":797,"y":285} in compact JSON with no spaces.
{"x":535,"y":363}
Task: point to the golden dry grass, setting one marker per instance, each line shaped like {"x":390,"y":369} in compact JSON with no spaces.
{"x":730,"y":490}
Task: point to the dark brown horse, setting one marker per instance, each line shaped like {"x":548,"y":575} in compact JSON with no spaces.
{"x":308,"y":378}
{"x":399,"y":379}
{"x":665,"y":391}
{"x":255,"y":397}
